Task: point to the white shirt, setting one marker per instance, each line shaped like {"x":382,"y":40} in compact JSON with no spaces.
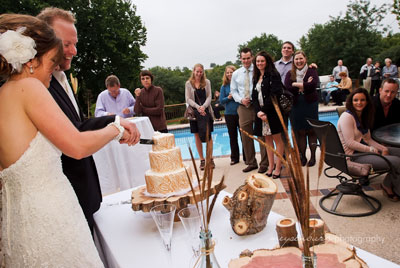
{"x":62,"y":79}
{"x":238,"y":81}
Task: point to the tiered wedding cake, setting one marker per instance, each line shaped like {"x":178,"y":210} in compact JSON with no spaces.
{"x":167,"y":175}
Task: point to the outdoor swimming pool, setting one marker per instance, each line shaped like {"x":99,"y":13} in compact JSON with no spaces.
{"x":220,"y":136}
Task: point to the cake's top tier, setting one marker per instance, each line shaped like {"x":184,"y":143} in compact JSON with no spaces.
{"x":163,"y":141}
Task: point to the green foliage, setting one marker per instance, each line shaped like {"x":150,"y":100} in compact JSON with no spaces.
{"x":393,"y":53}
{"x":172,"y":81}
{"x":270,"y":43}
{"x":110,"y":35}
{"x":353,"y":37}
{"x":396,"y":10}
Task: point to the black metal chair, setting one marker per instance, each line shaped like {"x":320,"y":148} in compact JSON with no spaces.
{"x":350,"y":182}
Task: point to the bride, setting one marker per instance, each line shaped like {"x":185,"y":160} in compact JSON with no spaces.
{"x":42,"y":222}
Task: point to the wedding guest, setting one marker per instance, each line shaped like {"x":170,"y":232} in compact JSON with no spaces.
{"x":376,"y":79}
{"x":338,"y":69}
{"x":150,"y":102}
{"x":329,"y":88}
{"x":284,"y":65}
{"x":365,"y":73}
{"x":354,"y":132}
{"x":241,"y":88}
{"x":344,"y":89}
{"x":43,"y":224}
{"x":231,"y":115}
{"x":115,"y":100}
{"x":389,"y":70}
{"x":302,"y":82}
{"x":217,"y":107}
{"x":266,"y":84}
{"x":81,"y":173}
{"x":387,"y":106}
{"x":198,"y":95}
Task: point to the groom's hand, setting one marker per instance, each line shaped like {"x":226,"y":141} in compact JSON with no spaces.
{"x":132,"y":130}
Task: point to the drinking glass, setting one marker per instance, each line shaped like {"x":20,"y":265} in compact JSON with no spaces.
{"x":191,"y":221}
{"x":163,"y":215}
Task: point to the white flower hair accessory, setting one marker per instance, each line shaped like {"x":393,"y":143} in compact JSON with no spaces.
{"x":16,"y":48}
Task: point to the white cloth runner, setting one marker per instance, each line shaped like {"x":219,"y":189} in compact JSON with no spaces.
{"x":131,"y":239}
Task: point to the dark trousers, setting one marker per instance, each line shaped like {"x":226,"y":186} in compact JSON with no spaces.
{"x":217,"y":110}
{"x":375,"y":85}
{"x":232,"y":123}
{"x":340,"y":95}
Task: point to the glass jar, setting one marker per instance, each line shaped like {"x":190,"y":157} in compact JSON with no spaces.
{"x":207,"y":257}
{"x":309,"y":262}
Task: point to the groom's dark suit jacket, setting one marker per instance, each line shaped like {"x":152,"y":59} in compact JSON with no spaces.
{"x":81,"y":173}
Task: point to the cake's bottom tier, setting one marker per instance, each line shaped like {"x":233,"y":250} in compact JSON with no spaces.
{"x":168,"y":183}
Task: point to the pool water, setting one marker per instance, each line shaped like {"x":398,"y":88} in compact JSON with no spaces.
{"x":183,"y":138}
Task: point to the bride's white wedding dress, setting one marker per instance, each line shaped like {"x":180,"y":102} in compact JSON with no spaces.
{"x":42,"y":222}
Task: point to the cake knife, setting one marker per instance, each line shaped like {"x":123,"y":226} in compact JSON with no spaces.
{"x":146,"y":141}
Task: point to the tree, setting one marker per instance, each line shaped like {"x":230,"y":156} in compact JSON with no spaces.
{"x":110,"y":36}
{"x":396,"y":9}
{"x":172,"y":81}
{"x":270,"y":43}
{"x":353,"y":37}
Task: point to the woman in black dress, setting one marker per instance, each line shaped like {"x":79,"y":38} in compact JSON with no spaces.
{"x":267,"y":83}
{"x":198,"y":95}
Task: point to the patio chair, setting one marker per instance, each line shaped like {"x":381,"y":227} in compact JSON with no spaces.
{"x":352,"y":176}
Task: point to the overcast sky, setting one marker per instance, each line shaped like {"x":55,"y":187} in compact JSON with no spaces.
{"x":185,"y":32}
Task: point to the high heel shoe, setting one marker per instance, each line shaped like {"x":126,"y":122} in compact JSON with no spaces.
{"x":311,"y":162}
{"x":274,"y":176}
{"x":202,"y":164}
{"x":392,"y":197}
{"x":277,"y":176}
{"x":269,"y":174}
{"x":303,"y":160}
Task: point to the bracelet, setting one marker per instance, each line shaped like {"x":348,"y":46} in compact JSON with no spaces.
{"x":117,"y":124}
{"x":371,"y":149}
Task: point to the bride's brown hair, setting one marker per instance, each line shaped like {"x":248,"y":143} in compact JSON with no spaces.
{"x":43,"y":35}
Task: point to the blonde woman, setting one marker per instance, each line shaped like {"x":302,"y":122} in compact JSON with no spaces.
{"x":198,"y":95}
{"x":231,"y":115}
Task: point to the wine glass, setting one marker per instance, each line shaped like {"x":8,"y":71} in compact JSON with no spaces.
{"x":163,"y":215}
{"x":191,"y":221}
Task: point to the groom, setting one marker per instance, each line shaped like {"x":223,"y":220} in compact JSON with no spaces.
{"x":81,"y":173}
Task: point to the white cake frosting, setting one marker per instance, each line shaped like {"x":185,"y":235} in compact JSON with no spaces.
{"x":168,"y":175}
{"x":166,"y":160}
{"x":163,"y":141}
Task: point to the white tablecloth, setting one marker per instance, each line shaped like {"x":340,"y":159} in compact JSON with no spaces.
{"x":131,"y":239}
{"x":120,"y":166}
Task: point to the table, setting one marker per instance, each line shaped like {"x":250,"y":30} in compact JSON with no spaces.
{"x":389,"y":135}
{"x":130,"y":239}
{"x":120,"y":166}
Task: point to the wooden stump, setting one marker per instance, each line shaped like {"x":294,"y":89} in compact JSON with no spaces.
{"x":287,"y":233}
{"x":317,"y":232}
{"x":250,"y":204}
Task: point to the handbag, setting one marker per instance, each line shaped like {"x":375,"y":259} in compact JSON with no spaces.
{"x":285,"y":100}
{"x":189,"y":113}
